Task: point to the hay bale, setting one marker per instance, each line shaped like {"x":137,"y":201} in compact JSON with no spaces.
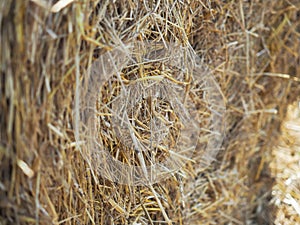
{"x":252,"y":49}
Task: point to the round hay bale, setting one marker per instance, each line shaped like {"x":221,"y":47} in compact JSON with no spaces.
{"x":49,"y":49}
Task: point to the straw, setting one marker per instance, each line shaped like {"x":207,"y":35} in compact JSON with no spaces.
{"x":250,"y":49}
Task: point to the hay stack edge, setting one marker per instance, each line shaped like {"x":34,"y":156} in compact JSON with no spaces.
{"x":252,"y":50}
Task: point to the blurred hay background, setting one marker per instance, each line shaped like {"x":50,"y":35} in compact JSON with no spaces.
{"x":253,"y":49}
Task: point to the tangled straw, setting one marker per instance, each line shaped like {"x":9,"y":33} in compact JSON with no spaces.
{"x":143,"y":109}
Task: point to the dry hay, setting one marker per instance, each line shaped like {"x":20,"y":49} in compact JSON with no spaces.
{"x":143,"y":124}
{"x":286,"y":167}
{"x":252,"y":49}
